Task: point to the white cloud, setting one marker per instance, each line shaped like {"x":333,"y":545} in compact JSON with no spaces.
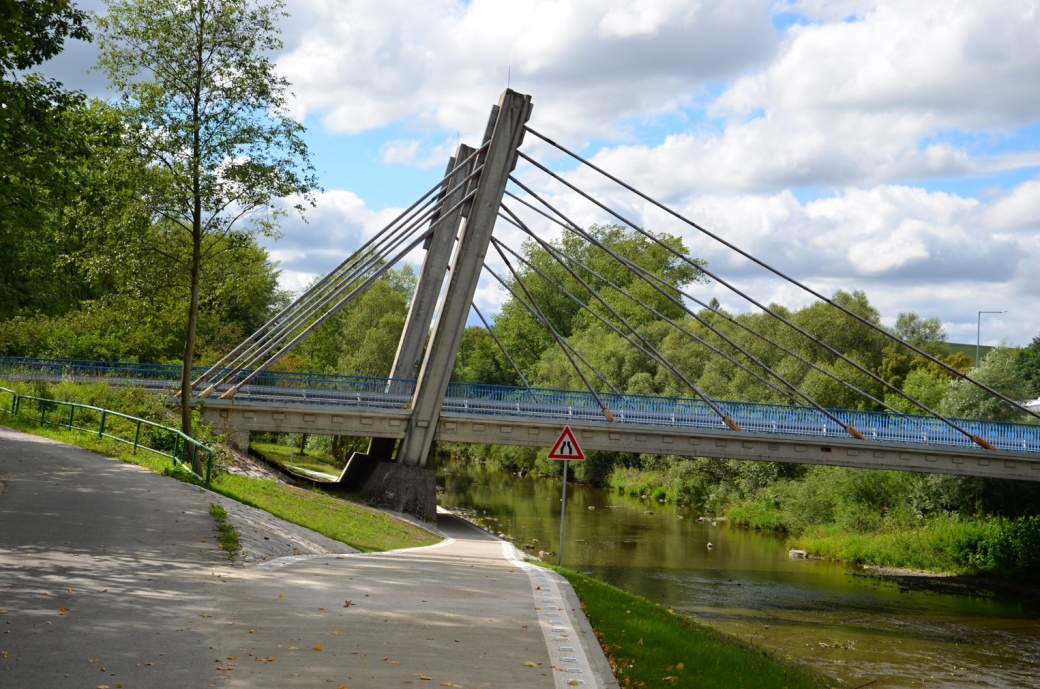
{"x":364,"y":64}
{"x":905,"y":92}
{"x":909,"y":249}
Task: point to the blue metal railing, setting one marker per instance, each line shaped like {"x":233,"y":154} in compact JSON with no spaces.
{"x":565,"y":404}
{"x":751,"y":416}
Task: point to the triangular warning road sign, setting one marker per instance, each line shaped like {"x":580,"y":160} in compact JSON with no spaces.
{"x":566,"y":447}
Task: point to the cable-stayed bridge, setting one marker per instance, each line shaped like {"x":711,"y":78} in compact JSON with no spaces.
{"x":454,"y":222}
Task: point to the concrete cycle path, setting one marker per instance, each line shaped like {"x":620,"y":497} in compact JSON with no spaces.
{"x":110,"y":575}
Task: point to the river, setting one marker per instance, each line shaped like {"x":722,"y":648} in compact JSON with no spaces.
{"x":855,"y":628}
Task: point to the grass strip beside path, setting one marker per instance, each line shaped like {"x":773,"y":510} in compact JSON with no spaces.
{"x":649,"y":646}
{"x":289,"y":458}
{"x":366,"y":529}
{"x":363,"y":528}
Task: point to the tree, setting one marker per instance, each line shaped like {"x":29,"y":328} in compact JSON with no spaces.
{"x":1028,"y":365}
{"x":924,"y":333}
{"x":533,"y":348}
{"x":999,"y":372}
{"x":481,"y":361}
{"x":43,"y":135}
{"x":203,"y":105}
{"x":361,"y":340}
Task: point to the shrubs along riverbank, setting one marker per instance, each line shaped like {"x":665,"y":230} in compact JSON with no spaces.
{"x":959,"y":525}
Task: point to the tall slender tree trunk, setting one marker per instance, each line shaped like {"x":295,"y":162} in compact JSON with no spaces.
{"x":189,"y":339}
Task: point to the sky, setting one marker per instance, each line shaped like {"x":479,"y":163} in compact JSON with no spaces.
{"x":889,"y":147}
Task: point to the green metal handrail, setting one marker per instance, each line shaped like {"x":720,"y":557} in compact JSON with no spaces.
{"x":185,"y":448}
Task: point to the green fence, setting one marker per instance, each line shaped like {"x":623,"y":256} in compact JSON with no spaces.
{"x":185,"y":451}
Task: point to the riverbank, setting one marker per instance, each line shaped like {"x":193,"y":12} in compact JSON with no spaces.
{"x":650,"y":646}
{"x":857,"y":629}
{"x":940,"y":524}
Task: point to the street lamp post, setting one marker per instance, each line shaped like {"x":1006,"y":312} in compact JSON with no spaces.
{"x":978,"y":335}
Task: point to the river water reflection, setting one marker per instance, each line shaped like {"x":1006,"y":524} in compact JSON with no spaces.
{"x":851,"y":627}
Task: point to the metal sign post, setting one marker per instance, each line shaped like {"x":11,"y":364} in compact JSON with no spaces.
{"x":565,"y":449}
{"x":563,"y":514}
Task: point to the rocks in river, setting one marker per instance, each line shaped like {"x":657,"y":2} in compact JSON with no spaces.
{"x":545,"y":553}
{"x":648,"y":512}
{"x":592,"y":507}
{"x":527,"y":546}
{"x":710,"y":545}
{"x":797,"y":554}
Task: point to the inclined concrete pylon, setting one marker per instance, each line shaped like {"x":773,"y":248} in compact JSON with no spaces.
{"x":406,"y":484}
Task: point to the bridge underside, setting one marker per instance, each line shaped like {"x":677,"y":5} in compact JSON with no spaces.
{"x":243,"y":417}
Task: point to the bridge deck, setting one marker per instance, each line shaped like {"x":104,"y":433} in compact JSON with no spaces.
{"x":472,"y":413}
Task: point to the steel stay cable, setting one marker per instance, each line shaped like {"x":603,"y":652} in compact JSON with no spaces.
{"x":642,"y":273}
{"x":817,"y":341}
{"x":570,"y":347}
{"x":335,"y":270}
{"x":569,"y":295}
{"x":501,"y":347}
{"x":285,"y":329}
{"x":567,"y":348}
{"x":340,"y":284}
{"x":324,"y":317}
{"x":847,"y":427}
{"x":559,"y":341}
{"x":648,"y":349}
{"x":779,"y":273}
{"x":974,"y":438}
{"x":727,"y":317}
{"x":328,"y":292}
{"x":556,"y":254}
{"x":337,"y":288}
{"x":328,"y":314}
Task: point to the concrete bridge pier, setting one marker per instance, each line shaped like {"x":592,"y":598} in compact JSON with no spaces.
{"x":407,"y":484}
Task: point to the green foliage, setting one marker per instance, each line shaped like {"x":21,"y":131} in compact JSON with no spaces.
{"x":203,"y":103}
{"x":533,"y":348}
{"x":924,"y":386}
{"x":480,"y":360}
{"x":1028,"y":365}
{"x":927,"y":334}
{"x":362,"y":338}
{"x":34,"y":32}
{"x":1000,"y":372}
{"x":937,"y":545}
{"x":206,"y":113}
{"x":141,"y":319}
{"x":1014,"y":550}
{"x":46,"y":135}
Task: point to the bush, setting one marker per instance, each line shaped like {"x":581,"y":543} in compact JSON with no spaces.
{"x":1014,"y":550}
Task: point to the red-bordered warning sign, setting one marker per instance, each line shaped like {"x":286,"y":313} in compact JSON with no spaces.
{"x":566,"y":447}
